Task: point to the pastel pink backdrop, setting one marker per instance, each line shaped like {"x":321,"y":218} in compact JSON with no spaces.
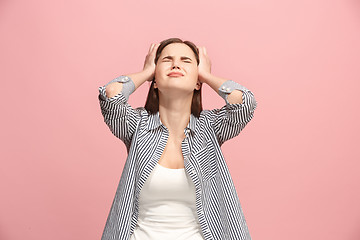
{"x":295,"y":165}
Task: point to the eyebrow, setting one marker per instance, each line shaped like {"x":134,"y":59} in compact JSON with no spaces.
{"x":171,"y":57}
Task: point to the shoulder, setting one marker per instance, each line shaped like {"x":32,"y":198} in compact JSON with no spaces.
{"x":208,"y":114}
{"x":205,"y":119}
{"x":144,"y":114}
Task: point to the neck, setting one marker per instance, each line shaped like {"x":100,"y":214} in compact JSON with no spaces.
{"x":175,"y":112}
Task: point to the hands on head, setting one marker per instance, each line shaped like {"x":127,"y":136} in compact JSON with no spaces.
{"x":204,"y":66}
{"x":150,"y":60}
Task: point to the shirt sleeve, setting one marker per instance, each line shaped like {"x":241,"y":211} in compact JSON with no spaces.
{"x":231,"y":119}
{"x":119,"y":116}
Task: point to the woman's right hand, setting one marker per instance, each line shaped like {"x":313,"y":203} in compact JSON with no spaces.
{"x":149,"y":64}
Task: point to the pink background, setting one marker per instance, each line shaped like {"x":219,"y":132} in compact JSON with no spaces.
{"x":295,"y":166}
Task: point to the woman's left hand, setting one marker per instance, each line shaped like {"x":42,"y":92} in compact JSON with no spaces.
{"x":204,"y":68}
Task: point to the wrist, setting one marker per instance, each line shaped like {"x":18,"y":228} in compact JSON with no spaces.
{"x":204,"y":77}
{"x":148,"y":73}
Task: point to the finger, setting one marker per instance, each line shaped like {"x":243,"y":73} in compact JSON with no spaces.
{"x":203,"y":51}
{"x":151,"y":47}
{"x":156,"y":46}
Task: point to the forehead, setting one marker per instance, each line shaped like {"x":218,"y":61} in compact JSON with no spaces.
{"x":178,"y":49}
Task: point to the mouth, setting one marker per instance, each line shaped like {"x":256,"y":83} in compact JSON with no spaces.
{"x":175,"y":74}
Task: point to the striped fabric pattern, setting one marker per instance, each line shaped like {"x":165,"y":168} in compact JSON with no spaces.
{"x":218,"y":206}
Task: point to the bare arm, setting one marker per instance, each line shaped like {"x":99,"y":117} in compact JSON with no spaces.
{"x":147,"y":74}
{"x":215,"y":83}
{"x":229,"y":120}
{"x":138,"y":78}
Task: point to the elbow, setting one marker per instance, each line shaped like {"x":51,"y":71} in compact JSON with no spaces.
{"x":113,"y":89}
{"x":235,"y":96}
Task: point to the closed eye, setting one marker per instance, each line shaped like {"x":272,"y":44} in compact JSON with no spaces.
{"x":186,"y":59}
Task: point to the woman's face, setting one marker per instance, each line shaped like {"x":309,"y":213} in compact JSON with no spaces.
{"x":179,"y":58}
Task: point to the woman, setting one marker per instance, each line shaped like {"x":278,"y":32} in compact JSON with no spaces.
{"x":175,"y":182}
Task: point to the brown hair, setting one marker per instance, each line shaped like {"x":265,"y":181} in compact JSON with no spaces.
{"x":152,"y":101}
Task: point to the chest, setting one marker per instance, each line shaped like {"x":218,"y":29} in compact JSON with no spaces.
{"x":172,"y":156}
{"x":195,"y":152}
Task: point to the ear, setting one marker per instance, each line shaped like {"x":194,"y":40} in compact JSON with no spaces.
{"x":198,"y":85}
{"x":155,"y":86}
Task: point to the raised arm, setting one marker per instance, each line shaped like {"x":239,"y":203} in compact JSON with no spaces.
{"x":120,"y":117}
{"x":232,"y":118}
{"x":115,"y":86}
{"x":239,"y":107}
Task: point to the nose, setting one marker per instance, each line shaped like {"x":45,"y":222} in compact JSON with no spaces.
{"x":175,"y":65}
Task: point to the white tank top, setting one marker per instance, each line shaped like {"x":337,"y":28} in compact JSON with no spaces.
{"x":167,"y":207}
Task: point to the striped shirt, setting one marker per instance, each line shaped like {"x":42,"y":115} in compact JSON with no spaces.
{"x":217,"y":204}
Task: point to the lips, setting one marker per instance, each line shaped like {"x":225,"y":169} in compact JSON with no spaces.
{"x":175,"y":74}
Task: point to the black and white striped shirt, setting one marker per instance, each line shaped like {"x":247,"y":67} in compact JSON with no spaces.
{"x":217,"y":204}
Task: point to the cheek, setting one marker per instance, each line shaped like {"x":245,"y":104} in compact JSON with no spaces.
{"x":193,"y":74}
{"x":193,"y":71}
{"x":161,"y":67}
{"x":158,"y":70}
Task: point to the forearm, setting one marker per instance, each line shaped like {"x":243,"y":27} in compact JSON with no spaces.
{"x":138,"y":78}
{"x":215,"y":83}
